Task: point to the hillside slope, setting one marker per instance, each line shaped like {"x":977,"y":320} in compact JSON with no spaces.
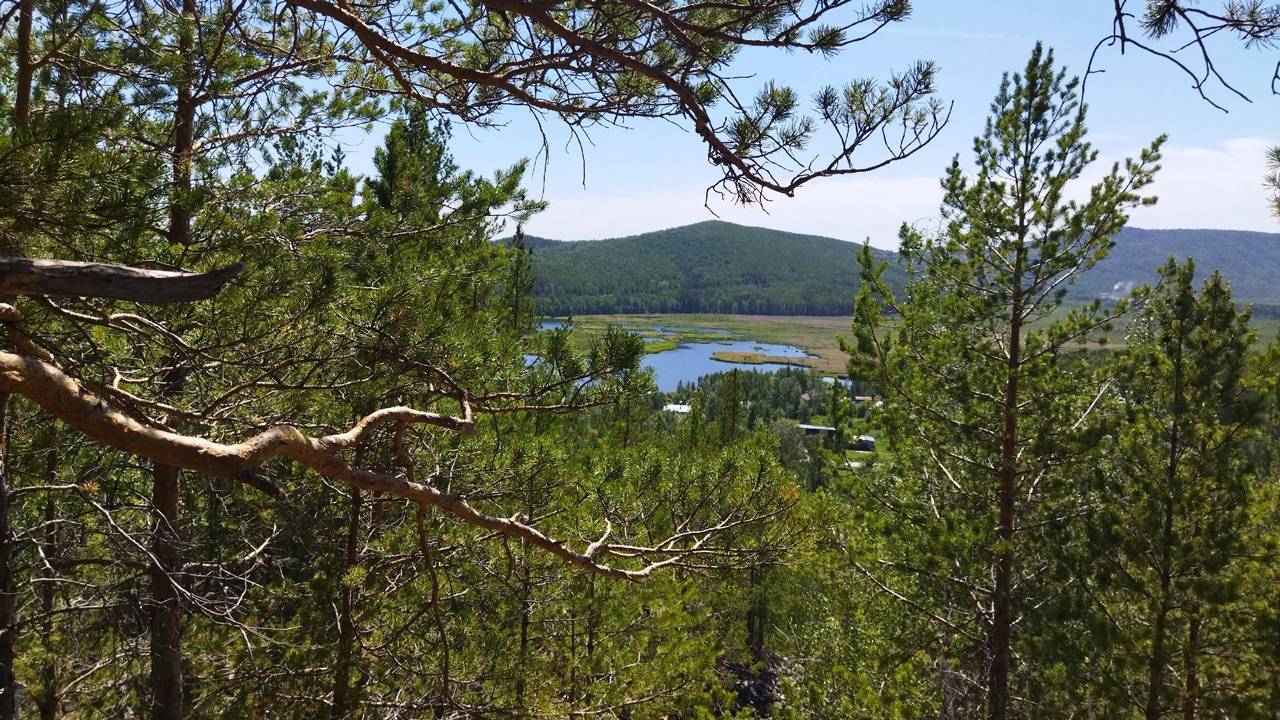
{"x":1250,"y":261}
{"x":719,"y":267}
{"x":711,"y":267}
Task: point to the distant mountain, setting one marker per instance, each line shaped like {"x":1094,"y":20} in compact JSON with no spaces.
{"x":1250,"y":261}
{"x":719,"y":267}
{"x":711,"y":267}
{"x":538,"y":243}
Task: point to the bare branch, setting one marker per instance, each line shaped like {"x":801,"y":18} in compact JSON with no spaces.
{"x":69,"y":278}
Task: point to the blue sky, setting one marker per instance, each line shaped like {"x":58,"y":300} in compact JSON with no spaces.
{"x":653,"y":174}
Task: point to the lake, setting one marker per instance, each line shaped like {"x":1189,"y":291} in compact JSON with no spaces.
{"x":691,"y":360}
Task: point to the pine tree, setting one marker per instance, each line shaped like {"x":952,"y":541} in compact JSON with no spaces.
{"x":839,"y":414}
{"x":362,"y":326}
{"x":729,"y":408}
{"x":981,"y":410}
{"x":1177,"y":524}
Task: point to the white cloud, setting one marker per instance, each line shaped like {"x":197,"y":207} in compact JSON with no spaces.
{"x":850,"y":208}
{"x":1219,"y":187}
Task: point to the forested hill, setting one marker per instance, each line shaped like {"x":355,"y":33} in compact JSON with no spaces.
{"x":720,"y":267}
{"x":1250,"y":261}
{"x":713,"y":267}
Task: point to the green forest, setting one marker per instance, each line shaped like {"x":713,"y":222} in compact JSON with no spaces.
{"x":281,"y":439}
{"x":719,"y":267}
{"x":711,"y":267}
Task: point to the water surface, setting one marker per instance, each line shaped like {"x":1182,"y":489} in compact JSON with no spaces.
{"x":690,"y":361}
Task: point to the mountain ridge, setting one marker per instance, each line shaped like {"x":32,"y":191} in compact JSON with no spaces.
{"x":720,"y":267}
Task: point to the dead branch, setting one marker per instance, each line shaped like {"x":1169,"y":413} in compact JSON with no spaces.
{"x":69,"y":278}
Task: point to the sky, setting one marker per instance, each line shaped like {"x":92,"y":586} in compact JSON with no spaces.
{"x":654,"y":175}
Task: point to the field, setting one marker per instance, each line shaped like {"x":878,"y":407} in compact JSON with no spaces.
{"x":817,"y":335}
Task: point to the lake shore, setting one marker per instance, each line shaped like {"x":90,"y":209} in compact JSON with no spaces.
{"x":814,"y":334}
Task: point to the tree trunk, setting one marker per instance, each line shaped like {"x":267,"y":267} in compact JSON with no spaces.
{"x":1001,"y":637}
{"x":346,"y":619}
{"x":26,"y":66}
{"x":49,"y":700}
{"x":593,"y":620}
{"x":1155,"y":675}
{"x":573,"y":666}
{"x":1275,"y":682}
{"x":756,"y":615}
{"x":1002,"y":611}
{"x":166,"y":611}
{"x":526,"y":604}
{"x":1155,"y":672}
{"x":1191,"y":686}
{"x":8,"y":609}
{"x":184,"y":131}
{"x":948,"y":690}
{"x":526,"y":611}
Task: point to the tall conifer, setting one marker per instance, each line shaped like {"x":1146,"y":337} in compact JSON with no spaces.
{"x":982,"y":412}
